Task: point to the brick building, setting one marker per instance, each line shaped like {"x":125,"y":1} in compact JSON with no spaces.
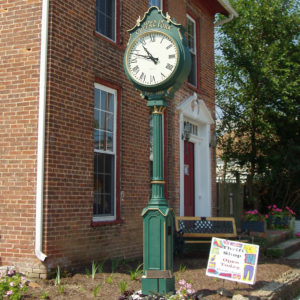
{"x":75,"y":151}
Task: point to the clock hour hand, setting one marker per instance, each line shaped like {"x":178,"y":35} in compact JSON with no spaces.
{"x":154,"y":59}
{"x":144,"y":56}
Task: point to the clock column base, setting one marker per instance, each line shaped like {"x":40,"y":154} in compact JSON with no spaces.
{"x":159,"y":286}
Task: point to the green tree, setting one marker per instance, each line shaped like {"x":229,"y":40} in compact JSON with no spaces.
{"x":257,"y":88}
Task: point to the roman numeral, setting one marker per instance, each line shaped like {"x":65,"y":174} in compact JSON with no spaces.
{"x":143,"y":41}
{"x":172,"y":56}
{"x":142,"y":77}
{"x":136,"y":69}
{"x":163,"y":76}
{"x":152,"y":37}
{"x":168,"y":47}
{"x":152,"y":78}
{"x":169,"y":67}
{"x":134,"y":60}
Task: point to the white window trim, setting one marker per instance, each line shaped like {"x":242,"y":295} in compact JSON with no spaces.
{"x":97,"y":218}
{"x":194,"y":52}
{"x":115,"y":31}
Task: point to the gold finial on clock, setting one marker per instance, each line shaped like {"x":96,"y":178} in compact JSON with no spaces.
{"x":138,"y":21}
{"x":168,"y":17}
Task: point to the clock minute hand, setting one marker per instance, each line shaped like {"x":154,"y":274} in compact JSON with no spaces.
{"x":154,"y":59}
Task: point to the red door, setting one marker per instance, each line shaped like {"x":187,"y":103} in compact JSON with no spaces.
{"x":189,"y":183}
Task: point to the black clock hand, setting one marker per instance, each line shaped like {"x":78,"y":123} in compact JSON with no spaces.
{"x":148,"y":57}
{"x":154,"y":59}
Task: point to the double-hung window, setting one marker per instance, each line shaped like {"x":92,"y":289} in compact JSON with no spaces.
{"x":192,"y":44}
{"x":106,"y":13}
{"x":157,"y":3}
{"x":105,"y":108}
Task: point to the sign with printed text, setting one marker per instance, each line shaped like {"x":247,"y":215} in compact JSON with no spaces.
{"x":232,"y":260}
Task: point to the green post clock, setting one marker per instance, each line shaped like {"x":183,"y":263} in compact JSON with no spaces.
{"x":157,"y":61}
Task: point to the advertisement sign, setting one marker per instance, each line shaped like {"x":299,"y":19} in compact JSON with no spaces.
{"x":232,"y":260}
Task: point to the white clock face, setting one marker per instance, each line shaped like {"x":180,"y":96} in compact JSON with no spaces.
{"x":152,"y":58}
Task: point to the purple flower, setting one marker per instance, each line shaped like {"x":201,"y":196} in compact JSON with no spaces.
{"x":10,"y":272}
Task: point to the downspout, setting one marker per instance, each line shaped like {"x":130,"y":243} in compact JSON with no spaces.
{"x":232,"y":13}
{"x":41,"y":134}
{"x":224,"y":21}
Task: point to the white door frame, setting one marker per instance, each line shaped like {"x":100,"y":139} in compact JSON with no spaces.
{"x":195,"y":111}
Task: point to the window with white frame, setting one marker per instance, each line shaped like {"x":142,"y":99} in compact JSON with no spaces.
{"x":157,"y":3}
{"x":106,"y":18}
{"x":192,"y":42}
{"x":105,"y":102}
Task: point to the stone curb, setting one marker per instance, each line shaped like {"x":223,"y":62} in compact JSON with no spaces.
{"x":286,"y":287}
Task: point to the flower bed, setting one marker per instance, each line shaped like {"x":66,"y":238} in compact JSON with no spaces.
{"x":12,"y":285}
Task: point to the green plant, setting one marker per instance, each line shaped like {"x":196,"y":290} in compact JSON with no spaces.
{"x":137,"y":272}
{"x":122,"y":285}
{"x":61,"y":288}
{"x":114,"y":264}
{"x":12,"y":285}
{"x":182,"y":268}
{"x":96,"y":290}
{"x":100,"y":266}
{"x":57,"y":278}
{"x":110,"y":279}
{"x":94,"y":269}
{"x":87,"y":272}
{"x":45,"y":295}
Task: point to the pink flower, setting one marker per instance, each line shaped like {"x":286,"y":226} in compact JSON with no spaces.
{"x":9,"y":292}
{"x":182,"y":282}
{"x":269,"y":207}
{"x":11,"y":284}
{"x":274,"y":206}
{"x":188,"y":286}
{"x":266,"y":216}
{"x":190,"y":291}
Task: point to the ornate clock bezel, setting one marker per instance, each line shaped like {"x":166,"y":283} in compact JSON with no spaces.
{"x":169,"y":77}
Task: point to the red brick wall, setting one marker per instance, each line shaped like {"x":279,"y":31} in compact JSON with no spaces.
{"x":20,"y":24}
{"x":77,"y":57}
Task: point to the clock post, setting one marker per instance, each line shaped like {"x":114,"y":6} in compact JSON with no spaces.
{"x":157,"y":61}
{"x":158,"y":218}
